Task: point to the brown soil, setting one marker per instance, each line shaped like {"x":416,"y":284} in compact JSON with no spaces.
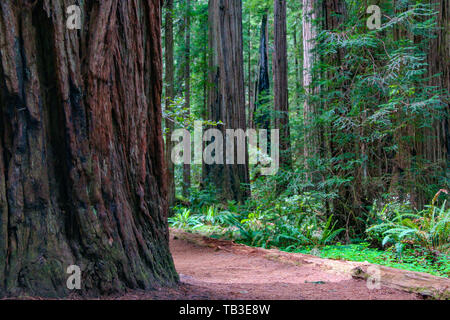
{"x":217,"y":272}
{"x":212,"y":269}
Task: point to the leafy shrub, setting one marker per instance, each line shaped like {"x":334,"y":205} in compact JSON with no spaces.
{"x":429,"y":228}
{"x":184,"y":220}
{"x":288,"y":223}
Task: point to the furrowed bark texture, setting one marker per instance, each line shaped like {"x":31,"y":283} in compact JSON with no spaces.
{"x":226,"y":99}
{"x":280,"y":83}
{"x":81,"y":150}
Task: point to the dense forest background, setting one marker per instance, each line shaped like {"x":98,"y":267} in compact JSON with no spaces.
{"x":88,"y":113}
{"x":362,"y":113}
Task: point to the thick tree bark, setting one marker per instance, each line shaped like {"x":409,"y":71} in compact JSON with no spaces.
{"x":82,"y":178}
{"x":226,"y":98}
{"x":280,"y":80}
{"x":169,"y":82}
{"x":187,"y":90}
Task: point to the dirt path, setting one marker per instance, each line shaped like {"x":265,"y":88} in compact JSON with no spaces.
{"x":221,"y":270}
{"x":218,"y":273}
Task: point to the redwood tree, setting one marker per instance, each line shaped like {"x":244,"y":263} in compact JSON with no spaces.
{"x":311,"y":144}
{"x":187,"y":89}
{"x":280,"y":82}
{"x":226,"y":98}
{"x":81,"y":152}
{"x":170,"y":92}
{"x":262,"y":116}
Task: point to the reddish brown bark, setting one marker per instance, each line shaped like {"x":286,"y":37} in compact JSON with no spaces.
{"x":280,"y":80}
{"x":226,"y":98}
{"x":170,"y":92}
{"x":187,"y":89}
{"x":311,"y":144}
{"x":82,"y":177}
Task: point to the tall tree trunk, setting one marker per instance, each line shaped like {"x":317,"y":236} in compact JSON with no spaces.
{"x":226,"y":98}
{"x":82,"y":177}
{"x":436,"y":147}
{"x":334,"y":13}
{"x":444,"y":49}
{"x":262,"y":114}
{"x":402,"y":180}
{"x":169,"y":98}
{"x":249,"y":74}
{"x":311,"y":140}
{"x":280,"y":80}
{"x":298,"y":77}
{"x":187,"y":90}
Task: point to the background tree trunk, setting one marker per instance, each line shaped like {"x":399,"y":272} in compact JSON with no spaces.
{"x":436,"y":146}
{"x":187,"y":90}
{"x":298,"y":77}
{"x":280,"y":80}
{"x":311,"y":140}
{"x":169,"y":98}
{"x":262,"y":115}
{"x":226,"y":99}
{"x":334,"y":15}
{"x":82,"y":174}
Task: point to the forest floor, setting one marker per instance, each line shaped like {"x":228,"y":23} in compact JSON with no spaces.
{"x":218,"y":272}
{"x":212,"y":269}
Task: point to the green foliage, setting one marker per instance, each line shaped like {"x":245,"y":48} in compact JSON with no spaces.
{"x":290,"y":223}
{"x":374,"y":108}
{"x":417,"y":241}
{"x":184,"y":220}
{"x":413,"y":259}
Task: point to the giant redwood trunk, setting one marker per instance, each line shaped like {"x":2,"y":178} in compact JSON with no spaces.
{"x":81,"y":151}
{"x":226,"y":98}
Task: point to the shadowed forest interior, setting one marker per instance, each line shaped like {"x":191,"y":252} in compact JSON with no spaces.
{"x":362,"y":113}
{"x":316,"y":128}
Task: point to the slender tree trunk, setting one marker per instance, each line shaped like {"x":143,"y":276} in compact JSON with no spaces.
{"x":311,"y":140}
{"x":169,"y":98}
{"x":298,"y":78}
{"x":436,"y":147}
{"x":249,"y":74}
{"x":444,"y":49}
{"x":280,"y":77}
{"x":334,"y":14}
{"x":262,"y":112}
{"x":226,"y":99}
{"x":82,"y":174}
{"x":187,"y":88}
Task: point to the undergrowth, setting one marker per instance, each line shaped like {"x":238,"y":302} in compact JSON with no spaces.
{"x":398,"y":236}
